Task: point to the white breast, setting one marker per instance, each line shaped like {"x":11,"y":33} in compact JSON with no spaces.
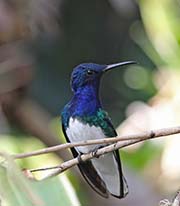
{"x":77,"y":131}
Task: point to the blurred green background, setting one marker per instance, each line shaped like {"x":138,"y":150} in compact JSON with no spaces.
{"x":41,"y":41}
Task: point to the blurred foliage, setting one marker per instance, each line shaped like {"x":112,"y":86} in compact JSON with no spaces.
{"x":41,"y":41}
{"x":100,"y":36}
{"x":140,"y":158}
{"x":161,"y":20}
{"x":17,"y":189}
{"x":158,"y":36}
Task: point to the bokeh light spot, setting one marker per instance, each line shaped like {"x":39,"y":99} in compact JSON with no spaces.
{"x":136,"y":77}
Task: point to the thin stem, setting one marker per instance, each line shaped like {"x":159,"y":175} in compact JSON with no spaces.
{"x":140,"y":136}
{"x":110,"y":148}
{"x":70,"y":145}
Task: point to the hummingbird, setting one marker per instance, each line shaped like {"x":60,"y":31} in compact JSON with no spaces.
{"x":83,"y":118}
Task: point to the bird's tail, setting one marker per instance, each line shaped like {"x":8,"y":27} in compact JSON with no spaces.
{"x":104,"y":175}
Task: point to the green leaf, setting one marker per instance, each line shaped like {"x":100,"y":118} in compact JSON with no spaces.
{"x":17,"y":190}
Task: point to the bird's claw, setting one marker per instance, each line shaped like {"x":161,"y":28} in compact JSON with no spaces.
{"x":94,"y":151}
{"x":165,"y":202}
{"x":79,"y":159}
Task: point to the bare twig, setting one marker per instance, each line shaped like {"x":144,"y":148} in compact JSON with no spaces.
{"x":175,"y":202}
{"x":70,"y":145}
{"x":126,"y":139}
{"x":148,"y":135}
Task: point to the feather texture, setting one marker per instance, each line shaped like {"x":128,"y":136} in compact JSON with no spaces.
{"x":84,"y":119}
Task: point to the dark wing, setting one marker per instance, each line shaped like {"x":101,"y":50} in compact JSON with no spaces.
{"x":104,"y":121}
{"x":109,"y":131}
{"x":87,"y":169}
{"x":89,"y":173}
{"x":123,"y":184}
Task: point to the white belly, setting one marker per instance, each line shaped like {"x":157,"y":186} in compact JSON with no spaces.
{"x":77,"y":131}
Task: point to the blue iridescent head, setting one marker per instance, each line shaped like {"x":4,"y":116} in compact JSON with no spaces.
{"x":90,"y":73}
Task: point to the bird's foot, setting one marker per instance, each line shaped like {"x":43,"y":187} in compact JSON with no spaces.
{"x":94,"y":151}
{"x":80,"y":159}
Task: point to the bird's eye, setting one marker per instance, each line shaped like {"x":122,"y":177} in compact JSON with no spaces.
{"x":90,"y":72}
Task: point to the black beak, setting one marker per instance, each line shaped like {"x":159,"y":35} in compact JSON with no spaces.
{"x":112,"y":66}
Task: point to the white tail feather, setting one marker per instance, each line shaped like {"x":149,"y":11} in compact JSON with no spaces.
{"x":108,"y":170}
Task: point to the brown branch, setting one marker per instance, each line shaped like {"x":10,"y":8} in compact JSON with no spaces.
{"x":70,"y":145}
{"x":147,"y":135}
{"x":175,"y":202}
{"x":124,"y":139}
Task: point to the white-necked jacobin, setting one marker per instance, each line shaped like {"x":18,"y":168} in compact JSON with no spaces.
{"x":84,"y":119}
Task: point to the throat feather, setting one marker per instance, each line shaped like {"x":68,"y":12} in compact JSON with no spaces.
{"x":86,"y":101}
